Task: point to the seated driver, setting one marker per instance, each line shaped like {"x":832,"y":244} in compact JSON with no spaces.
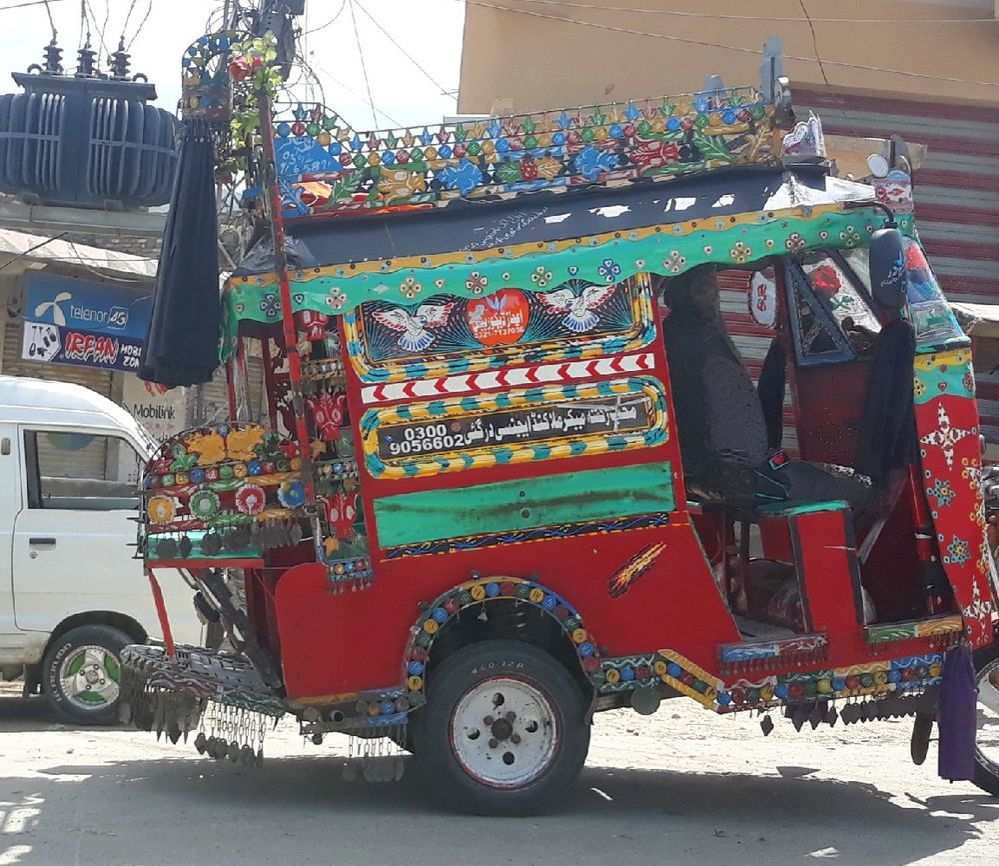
{"x":719,"y":418}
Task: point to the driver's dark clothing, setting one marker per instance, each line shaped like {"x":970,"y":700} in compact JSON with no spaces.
{"x":719,"y":419}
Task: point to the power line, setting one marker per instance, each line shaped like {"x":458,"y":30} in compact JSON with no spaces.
{"x":395,"y":123}
{"x":128,"y":17}
{"x":815,"y":41}
{"x":48,"y":11}
{"x":731,"y":17}
{"x":100,"y":31}
{"x":740,"y":48}
{"x":364,"y":66}
{"x":402,"y":50}
{"x":44,"y":3}
{"x":142,"y":23}
{"x":343,"y":4}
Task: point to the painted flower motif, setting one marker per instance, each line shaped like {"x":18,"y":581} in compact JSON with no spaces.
{"x":183,"y":460}
{"x":709,"y":250}
{"x":476,"y":283}
{"x":795,"y":243}
{"x":958,"y":551}
{"x":770,"y":243}
{"x":204,"y":504}
{"x":542,"y":277}
{"x":161,"y":509}
{"x":439,"y":283}
{"x":240,"y":308}
{"x":652,"y":155}
{"x":918,"y":387}
{"x":740,"y":252}
{"x":336,"y":298}
{"x":942,"y":491}
{"x":410,"y":288}
{"x":609,"y":270}
{"x":298,"y":298}
{"x":464,"y":177}
{"x":674,"y":262}
{"x":850,"y":236}
{"x":251,"y":499}
{"x":270,"y":306}
{"x":968,"y":381}
{"x":591,"y":162}
{"x":291,"y":494}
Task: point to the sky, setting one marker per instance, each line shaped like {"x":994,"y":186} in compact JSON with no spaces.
{"x":401,"y":92}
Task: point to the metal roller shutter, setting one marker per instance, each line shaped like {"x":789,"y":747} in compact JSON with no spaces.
{"x":212,"y":403}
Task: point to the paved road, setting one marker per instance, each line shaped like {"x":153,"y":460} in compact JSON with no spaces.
{"x":683,"y":787}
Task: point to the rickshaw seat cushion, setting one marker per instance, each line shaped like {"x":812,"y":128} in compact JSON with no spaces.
{"x":792,"y":508}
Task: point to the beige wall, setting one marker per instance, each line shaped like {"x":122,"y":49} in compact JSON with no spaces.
{"x":541,"y":63}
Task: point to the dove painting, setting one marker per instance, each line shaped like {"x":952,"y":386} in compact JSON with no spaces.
{"x":415,"y":327}
{"x":581,"y":317}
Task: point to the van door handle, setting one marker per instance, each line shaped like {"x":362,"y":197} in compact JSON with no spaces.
{"x":42,"y":542}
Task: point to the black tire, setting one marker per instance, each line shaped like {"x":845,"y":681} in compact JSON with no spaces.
{"x":986,"y":771}
{"x":64,"y":650}
{"x":511,"y":665}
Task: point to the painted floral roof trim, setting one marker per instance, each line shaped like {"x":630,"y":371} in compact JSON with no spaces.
{"x":605,"y":258}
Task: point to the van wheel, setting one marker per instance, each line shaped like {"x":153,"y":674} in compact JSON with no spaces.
{"x":504,"y":730}
{"x":81,"y":674}
{"x":987,"y":736}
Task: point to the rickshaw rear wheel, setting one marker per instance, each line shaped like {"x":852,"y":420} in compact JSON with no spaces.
{"x":504,"y":731}
{"x":987,"y":740}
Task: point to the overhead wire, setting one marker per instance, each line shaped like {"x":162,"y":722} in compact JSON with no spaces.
{"x":815,"y":41}
{"x":343,"y":5}
{"x":24,"y":5}
{"x":723,"y":46}
{"x":128,"y":17}
{"x":142,"y":23}
{"x":402,"y":50}
{"x":364,"y":65}
{"x":395,"y":123}
{"x":734,"y":17}
{"x":100,"y":32}
{"x":48,"y":11}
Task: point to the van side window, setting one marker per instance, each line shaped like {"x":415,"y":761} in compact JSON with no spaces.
{"x":80,"y":471}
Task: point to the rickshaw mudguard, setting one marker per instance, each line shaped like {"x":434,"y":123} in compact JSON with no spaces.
{"x":948,"y":433}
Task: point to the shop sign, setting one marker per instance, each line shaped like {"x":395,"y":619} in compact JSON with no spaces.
{"x":85,"y":323}
{"x":63,"y":345}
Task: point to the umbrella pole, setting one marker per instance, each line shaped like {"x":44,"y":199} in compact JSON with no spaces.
{"x":287,"y":314}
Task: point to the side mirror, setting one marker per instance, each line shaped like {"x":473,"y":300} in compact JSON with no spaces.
{"x":887,"y":267}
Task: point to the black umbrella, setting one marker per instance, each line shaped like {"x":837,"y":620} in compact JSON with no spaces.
{"x":181,"y":345}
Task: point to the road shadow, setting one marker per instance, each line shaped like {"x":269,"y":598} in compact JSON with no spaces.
{"x":301,"y":810}
{"x":34,"y":714}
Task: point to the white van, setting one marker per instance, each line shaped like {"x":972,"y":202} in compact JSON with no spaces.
{"x":72,"y":592}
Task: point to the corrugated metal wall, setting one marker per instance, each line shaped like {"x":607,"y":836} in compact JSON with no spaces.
{"x":956,"y":191}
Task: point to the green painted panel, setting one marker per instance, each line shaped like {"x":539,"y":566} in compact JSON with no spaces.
{"x":571,"y":497}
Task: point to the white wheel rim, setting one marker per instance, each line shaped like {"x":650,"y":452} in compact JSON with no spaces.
{"x":987,"y":735}
{"x":89,"y":677}
{"x":504,"y":732}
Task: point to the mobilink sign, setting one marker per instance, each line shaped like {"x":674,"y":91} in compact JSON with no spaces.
{"x":91,"y":324}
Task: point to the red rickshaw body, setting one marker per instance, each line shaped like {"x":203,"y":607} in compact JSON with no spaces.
{"x":490,"y":447}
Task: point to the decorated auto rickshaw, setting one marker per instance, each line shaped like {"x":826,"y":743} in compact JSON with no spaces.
{"x":507,"y":469}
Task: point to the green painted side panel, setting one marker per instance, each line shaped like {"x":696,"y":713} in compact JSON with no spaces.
{"x":572,"y":497}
